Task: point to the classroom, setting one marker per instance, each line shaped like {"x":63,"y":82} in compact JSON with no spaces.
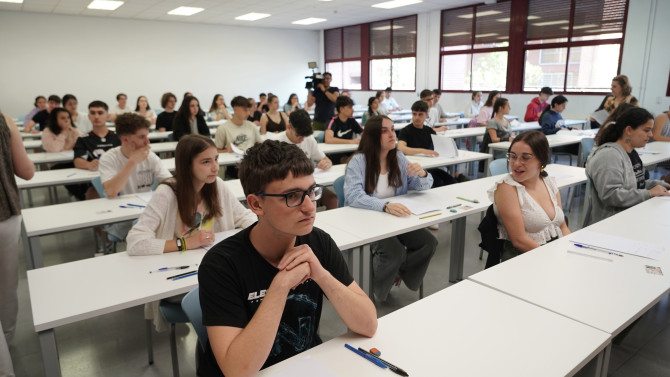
{"x":60,"y":46}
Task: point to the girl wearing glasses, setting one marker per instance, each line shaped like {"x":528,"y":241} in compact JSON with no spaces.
{"x":186,"y":211}
{"x":616,"y":170}
{"x":526,"y":201}
{"x":379,"y":171}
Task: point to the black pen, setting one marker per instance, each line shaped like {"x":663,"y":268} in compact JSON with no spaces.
{"x":392,"y":367}
{"x":185,"y":273}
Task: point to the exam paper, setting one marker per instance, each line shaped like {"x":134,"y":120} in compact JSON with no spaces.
{"x":320,"y":173}
{"x":620,"y":244}
{"x":236,"y":150}
{"x":305,"y":367}
{"x":146,"y":196}
{"x":415,"y":206}
{"x":445,"y":146}
{"x":600,"y":116}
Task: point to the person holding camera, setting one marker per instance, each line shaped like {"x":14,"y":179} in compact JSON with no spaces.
{"x":323,"y":97}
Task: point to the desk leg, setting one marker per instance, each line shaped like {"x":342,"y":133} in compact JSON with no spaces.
{"x":49,"y":349}
{"x":35,"y":249}
{"x":30,"y":198}
{"x":457,"y":250}
{"x":603,"y":362}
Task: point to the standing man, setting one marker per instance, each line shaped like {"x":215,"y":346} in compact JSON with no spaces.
{"x":389,"y":103}
{"x":120,"y":108}
{"x":323,"y":97}
{"x":537,"y":104}
{"x":261,"y":290}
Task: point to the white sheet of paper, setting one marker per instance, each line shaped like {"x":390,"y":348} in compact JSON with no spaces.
{"x":146,"y":196}
{"x":218,"y":237}
{"x":620,"y":244}
{"x":445,"y":146}
{"x":415,"y":206}
{"x":305,"y":367}
{"x":600,"y":116}
{"x":320,"y":173}
{"x":67,"y":154}
{"x":641,"y":151}
{"x":236,"y":150}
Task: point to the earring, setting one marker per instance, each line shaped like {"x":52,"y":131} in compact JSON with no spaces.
{"x":541,"y":169}
{"x":627,"y":140}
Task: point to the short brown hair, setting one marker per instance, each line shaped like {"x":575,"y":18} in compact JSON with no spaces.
{"x":538,"y":143}
{"x":166,"y":97}
{"x":129,"y":123}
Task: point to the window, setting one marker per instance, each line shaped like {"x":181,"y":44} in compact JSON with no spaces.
{"x":343,"y":56}
{"x":573,"y":46}
{"x":474,"y":47}
{"x":393,"y":54}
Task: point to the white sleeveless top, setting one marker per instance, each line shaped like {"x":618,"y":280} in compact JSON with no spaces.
{"x":539,"y":227}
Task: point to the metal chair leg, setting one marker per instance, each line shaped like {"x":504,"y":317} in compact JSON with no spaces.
{"x":150,"y":345}
{"x":173,"y":351}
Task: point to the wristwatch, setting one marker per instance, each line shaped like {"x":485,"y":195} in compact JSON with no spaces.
{"x":386,"y":206}
{"x":179,"y":244}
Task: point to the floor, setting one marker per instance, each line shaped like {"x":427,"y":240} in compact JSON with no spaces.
{"x":115,"y":345}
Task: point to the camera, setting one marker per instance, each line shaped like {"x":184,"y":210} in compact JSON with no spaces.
{"x":315,"y":79}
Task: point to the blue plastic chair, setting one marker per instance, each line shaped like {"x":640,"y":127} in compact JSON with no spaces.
{"x":339,"y":190}
{"x":587,"y":146}
{"x":497,"y":167}
{"x":319,"y":136}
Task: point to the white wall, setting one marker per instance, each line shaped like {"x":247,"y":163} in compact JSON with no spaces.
{"x":96,"y":58}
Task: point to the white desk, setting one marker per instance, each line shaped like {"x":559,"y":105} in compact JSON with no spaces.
{"x":555,"y":140}
{"x":608,"y":295}
{"x":464,"y":330}
{"x":30,"y":135}
{"x":660,"y":152}
{"x":337,"y":148}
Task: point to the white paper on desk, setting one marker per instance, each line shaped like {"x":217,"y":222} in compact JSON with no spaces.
{"x":445,"y":146}
{"x":305,"y":367}
{"x":415,"y":206}
{"x":218,"y":237}
{"x":600,"y":116}
{"x":146,"y":196}
{"x":320,"y":173}
{"x":645,"y":151}
{"x":67,"y":153}
{"x":236,"y":150}
{"x":620,"y":244}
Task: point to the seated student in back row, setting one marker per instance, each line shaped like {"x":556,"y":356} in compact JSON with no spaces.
{"x":551,"y":119}
{"x":415,"y":138}
{"x":428,"y":97}
{"x":131,"y":167}
{"x":538,"y":104}
{"x":261,"y":290}
{"x":238,"y":132}
{"x":41,"y":118}
{"x":165,"y":119}
{"x":343,"y":127}
{"x":189,"y":119}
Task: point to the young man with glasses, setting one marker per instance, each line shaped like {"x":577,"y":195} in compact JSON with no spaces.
{"x":261,"y":290}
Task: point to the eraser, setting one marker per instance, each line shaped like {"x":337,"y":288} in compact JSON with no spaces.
{"x":375,"y":351}
{"x":452,"y":210}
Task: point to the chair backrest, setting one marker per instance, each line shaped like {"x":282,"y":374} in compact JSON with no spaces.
{"x":587,"y":147}
{"x":497,"y":167}
{"x":170,"y":136}
{"x":319,"y":136}
{"x":339,"y":190}
{"x":191,"y":306}
{"x":97,"y":185}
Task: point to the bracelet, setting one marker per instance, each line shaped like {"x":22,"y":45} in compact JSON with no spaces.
{"x":182,"y":247}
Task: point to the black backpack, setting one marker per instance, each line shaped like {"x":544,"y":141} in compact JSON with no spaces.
{"x":488,"y":229}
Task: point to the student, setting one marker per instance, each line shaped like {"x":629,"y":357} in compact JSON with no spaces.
{"x":237,"y":131}
{"x":437,"y":93}
{"x":379,"y":171}
{"x":433,"y":113}
{"x":342,"y":128}
{"x":186,"y":211}
{"x":262,"y":102}
{"x":79,"y":119}
{"x":299,"y":132}
{"x":143,"y":109}
{"x":389,"y":104}
{"x":616,"y":170}
{"x":165,"y":119}
{"x":551,"y":120}
{"x":527,"y":202}
{"x":14,"y":161}
{"x":662,"y":127}
{"x":261,"y":290}
{"x":621,"y":93}
{"x":498,"y":128}
{"x":292,"y":104}
{"x":486,"y":112}
{"x":131,"y":167}
{"x":475,"y":105}
{"x":40,"y":104}
{"x":373,"y":109}
{"x":218,"y":110}
{"x":416,"y":138}
{"x":323,"y":97}
{"x":189,"y":119}
{"x":121,"y":107}
{"x":254,"y":115}
{"x":41,"y":118}
{"x":273,"y":121}
{"x":88,"y":149}
{"x":538,"y":104}
{"x":380,"y":98}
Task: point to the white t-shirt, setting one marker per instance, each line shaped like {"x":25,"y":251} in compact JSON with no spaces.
{"x":142,"y":177}
{"x":83,"y":123}
{"x":389,"y":104}
{"x":308,"y":145}
{"x":383,"y":189}
{"x":118,"y":111}
{"x":243,"y":136}
{"x":433,"y":117}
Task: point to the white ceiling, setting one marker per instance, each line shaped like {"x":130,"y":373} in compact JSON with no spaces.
{"x":337,"y":12}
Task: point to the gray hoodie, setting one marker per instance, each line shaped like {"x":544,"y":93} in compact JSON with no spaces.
{"x":613,"y":187}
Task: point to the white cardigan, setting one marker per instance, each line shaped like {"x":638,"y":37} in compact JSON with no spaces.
{"x":158,"y":221}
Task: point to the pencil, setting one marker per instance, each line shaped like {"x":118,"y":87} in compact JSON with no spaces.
{"x":468,"y":200}
{"x":427,"y":216}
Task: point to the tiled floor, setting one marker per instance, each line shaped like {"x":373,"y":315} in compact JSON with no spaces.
{"x":114,"y":344}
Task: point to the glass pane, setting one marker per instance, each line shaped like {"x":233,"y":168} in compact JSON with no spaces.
{"x":492,"y":25}
{"x":380,"y":38}
{"x":351,"y":75}
{"x":489,"y":70}
{"x":352,"y":41}
{"x":591,"y":68}
{"x":456,"y":72}
{"x":457,"y":29}
{"x":403,"y":73}
{"x":380,"y":74}
{"x":548,"y":19}
{"x":333,"y":44}
{"x":335,"y":69}
{"x":544,"y":67}
{"x":404,"y":35}
{"x":598,"y":19}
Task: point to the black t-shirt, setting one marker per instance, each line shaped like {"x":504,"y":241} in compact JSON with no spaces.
{"x":165,"y":120}
{"x":638,"y":168}
{"x":91,"y":146}
{"x":42,"y":118}
{"x":233,"y":279}
{"x":417,"y":138}
{"x":255,"y":117}
{"x":345,"y":130}
{"x":324,"y":109}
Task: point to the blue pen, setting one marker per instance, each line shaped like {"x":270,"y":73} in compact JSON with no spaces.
{"x":170,"y":268}
{"x":370,"y":358}
{"x":135,"y":205}
{"x":598,"y":249}
{"x":124,"y":207}
{"x":184,"y":276}
{"x":70,"y":175}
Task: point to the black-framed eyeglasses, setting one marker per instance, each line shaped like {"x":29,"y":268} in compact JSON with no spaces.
{"x":525,"y":157}
{"x":296,"y":198}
